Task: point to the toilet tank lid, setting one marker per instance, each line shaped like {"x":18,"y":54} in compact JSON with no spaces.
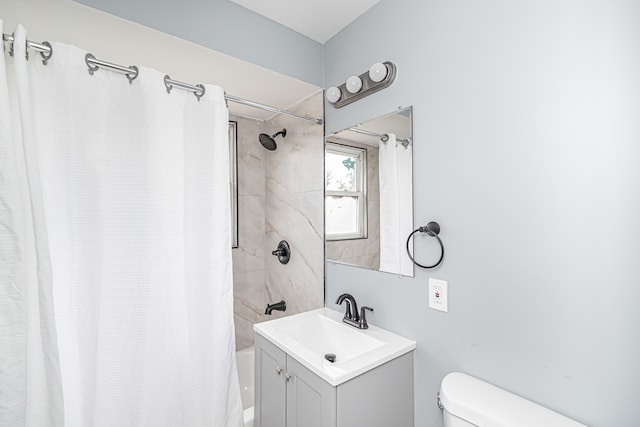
{"x":486,"y":405}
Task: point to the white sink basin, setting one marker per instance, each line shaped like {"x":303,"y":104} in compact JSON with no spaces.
{"x":321,"y":335}
{"x":308,"y":336}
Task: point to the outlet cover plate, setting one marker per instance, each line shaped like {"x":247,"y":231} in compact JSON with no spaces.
{"x":438,"y":295}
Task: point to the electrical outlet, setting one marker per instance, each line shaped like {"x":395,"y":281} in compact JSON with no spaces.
{"x":438,"y":295}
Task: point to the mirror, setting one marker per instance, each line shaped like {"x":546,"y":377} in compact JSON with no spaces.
{"x":369,"y":193}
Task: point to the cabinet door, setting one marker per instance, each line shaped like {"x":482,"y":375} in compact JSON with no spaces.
{"x":311,"y":402}
{"x":381,"y":397}
{"x":270,"y":385}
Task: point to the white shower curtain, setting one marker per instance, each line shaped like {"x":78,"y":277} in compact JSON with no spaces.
{"x":30,"y":393}
{"x":136,"y":196}
{"x":396,"y":206}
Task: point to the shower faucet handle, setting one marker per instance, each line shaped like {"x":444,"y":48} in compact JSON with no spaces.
{"x":283,"y":252}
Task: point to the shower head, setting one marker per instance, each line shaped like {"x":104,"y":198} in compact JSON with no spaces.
{"x":269,"y":142}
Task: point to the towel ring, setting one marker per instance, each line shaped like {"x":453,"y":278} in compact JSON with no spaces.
{"x":432,"y":229}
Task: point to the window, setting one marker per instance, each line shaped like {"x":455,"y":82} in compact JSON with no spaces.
{"x":233,"y":181}
{"x":345,"y":197}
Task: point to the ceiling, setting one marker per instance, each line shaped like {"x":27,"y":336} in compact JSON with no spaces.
{"x":317,"y":19}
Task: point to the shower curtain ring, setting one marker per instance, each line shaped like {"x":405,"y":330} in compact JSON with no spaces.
{"x":46,"y":55}
{"x":168,"y":85}
{"x":199,"y":93}
{"x":132,"y":76}
{"x":13,"y":40}
{"x":92,"y":67}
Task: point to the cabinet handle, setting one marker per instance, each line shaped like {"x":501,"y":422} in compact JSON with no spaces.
{"x":278,"y":370}
{"x":287,"y":377}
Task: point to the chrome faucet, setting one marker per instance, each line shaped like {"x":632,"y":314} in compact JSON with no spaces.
{"x":351,"y":316}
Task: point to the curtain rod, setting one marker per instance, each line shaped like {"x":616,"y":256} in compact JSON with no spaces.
{"x":270,"y":108}
{"x":44,"y":48}
{"x":131,"y":73}
{"x":383,"y":136}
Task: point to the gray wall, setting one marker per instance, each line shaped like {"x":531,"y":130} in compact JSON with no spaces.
{"x":227,"y":28}
{"x":527,"y":143}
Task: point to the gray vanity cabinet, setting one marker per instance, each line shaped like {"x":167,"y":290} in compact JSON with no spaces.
{"x":290,"y":395}
{"x":287,"y":393}
{"x":270,"y":386}
{"x":311,"y":401}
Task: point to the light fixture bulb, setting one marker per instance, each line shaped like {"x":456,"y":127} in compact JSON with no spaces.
{"x":354,"y":84}
{"x":378,"y":72}
{"x":333,"y":94}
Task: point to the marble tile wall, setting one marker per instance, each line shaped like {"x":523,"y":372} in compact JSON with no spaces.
{"x":280,"y":197}
{"x":295,"y":210}
{"x":363,"y":252}
{"x":249,"y":256}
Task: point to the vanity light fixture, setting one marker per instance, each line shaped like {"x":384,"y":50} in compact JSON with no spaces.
{"x":333,"y":94}
{"x":379,"y":76}
{"x":354,"y":84}
{"x":378,"y":72}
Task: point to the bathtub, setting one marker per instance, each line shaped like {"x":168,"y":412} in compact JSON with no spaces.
{"x":244,"y":360}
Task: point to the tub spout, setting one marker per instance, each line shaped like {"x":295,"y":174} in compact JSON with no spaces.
{"x":280,"y":306}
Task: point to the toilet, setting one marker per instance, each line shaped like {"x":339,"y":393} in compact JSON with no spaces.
{"x":468,"y":402}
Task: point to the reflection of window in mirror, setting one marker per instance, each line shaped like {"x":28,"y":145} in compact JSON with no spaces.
{"x":233,"y":181}
{"x":345,"y":183}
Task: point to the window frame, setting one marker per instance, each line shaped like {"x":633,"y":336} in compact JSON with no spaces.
{"x":360,"y":154}
{"x":233,"y":180}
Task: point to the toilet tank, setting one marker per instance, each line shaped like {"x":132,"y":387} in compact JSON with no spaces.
{"x":468,"y":401}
